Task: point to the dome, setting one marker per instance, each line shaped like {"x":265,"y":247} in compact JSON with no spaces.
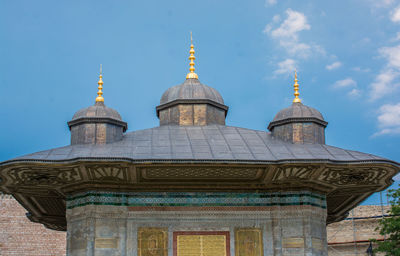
{"x":191,"y":89}
{"x":99,"y":110}
{"x":299,"y":124}
{"x":298,"y":110}
{"x":96,"y":124}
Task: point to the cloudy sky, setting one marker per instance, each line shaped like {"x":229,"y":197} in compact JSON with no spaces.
{"x":347,"y":54}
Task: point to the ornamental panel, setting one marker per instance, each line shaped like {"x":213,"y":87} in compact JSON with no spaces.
{"x":201,"y":243}
{"x":248,"y":242}
{"x":44,"y":176}
{"x":353,"y":176}
{"x":200,"y":173}
{"x":286,"y":173}
{"x":112,"y":173}
{"x":152,"y":241}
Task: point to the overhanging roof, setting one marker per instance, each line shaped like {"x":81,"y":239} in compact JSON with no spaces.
{"x":214,"y":143}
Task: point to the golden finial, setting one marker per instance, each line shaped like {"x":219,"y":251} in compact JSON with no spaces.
{"x":191,"y":74}
{"x":296,"y":89}
{"x":100,"y":83}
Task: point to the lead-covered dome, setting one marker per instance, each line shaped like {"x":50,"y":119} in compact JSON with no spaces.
{"x":191,"y":89}
{"x":98,"y":110}
{"x":297,"y":111}
{"x":299,"y":123}
{"x":191,"y":103}
{"x":97,"y":124}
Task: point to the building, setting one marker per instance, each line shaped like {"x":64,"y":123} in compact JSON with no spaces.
{"x":194,"y":186}
{"x":21,"y":237}
{"x":345,"y":238}
{"x":352,"y":235}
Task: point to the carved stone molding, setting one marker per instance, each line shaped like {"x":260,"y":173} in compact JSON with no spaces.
{"x":43,"y":176}
{"x":293,"y":173}
{"x":200,"y":173}
{"x":111,"y":173}
{"x":353,"y":176}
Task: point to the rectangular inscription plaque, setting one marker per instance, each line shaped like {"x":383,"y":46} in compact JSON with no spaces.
{"x":293,"y":242}
{"x":152,"y":241}
{"x":201,"y":243}
{"x":110,"y":243}
{"x":248,"y":242}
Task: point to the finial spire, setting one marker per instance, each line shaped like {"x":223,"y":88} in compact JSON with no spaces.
{"x":191,"y":74}
{"x":100,"y":83}
{"x":296,"y":89}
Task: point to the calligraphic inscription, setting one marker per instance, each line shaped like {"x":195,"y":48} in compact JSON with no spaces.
{"x":106,"y":243}
{"x":152,"y":242}
{"x":248,"y":242}
{"x":293,"y":242}
{"x":202,"y":243}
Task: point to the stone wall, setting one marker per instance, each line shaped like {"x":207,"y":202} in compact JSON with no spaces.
{"x":351,"y":237}
{"x":241,"y":224}
{"x":21,"y":237}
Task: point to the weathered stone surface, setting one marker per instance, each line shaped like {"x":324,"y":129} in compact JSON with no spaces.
{"x":275,"y":230}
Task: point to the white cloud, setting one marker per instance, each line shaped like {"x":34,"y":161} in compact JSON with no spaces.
{"x":392,"y":54}
{"x":294,"y":23}
{"x":395,"y":14}
{"x":286,"y":67}
{"x":354,"y":93}
{"x":389,"y":119}
{"x":270,"y":2}
{"x":359,"y":69}
{"x":276,"y":18}
{"x":287,"y":34}
{"x":382,"y":3}
{"x":334,"y":65}
{"x":383,"y":84}
{"x":345,"y":83}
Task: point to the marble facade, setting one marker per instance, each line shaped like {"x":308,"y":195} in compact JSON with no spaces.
{"x":189,"y":224}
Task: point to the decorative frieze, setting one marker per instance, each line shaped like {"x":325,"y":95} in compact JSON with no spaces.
{"x":228,"y":201}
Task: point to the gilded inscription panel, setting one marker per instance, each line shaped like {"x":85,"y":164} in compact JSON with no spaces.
{"x":152,"y":242}
{"x":293,"y":242}
{"x":109,"y":243}
{"x":201,"y":243}
{"x":248,"y":242}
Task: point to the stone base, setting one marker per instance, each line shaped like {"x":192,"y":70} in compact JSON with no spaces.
{"x":183,"y":224}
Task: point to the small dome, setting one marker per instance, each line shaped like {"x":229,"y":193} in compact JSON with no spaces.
{"x":99,"y":110}
{"x":191,"y":89}
{"x":298,"y":110}
{"x":297,"y":113}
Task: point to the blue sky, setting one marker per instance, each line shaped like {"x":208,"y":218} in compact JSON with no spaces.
{"x":347,"y":54}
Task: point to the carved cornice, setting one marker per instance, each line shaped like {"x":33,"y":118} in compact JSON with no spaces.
{"x":42,"y":188}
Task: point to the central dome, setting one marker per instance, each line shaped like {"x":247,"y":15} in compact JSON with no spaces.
{"x":191,"y":89}
{"x":191,"y":103}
